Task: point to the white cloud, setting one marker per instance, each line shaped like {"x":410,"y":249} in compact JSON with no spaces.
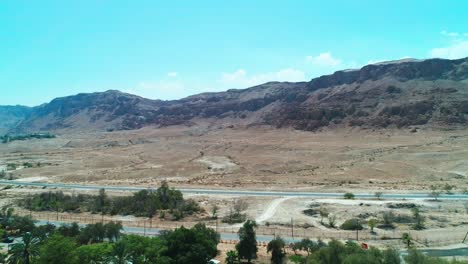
{"x":172,"y":74}
{"x":241,"y":79}
{"x":323,"y":59}
{"x":456,"y":50}
{"x":166,"y":90}
{"x":450,"y":34}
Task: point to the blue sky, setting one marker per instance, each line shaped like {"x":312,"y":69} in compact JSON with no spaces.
{"x":171,"y":49}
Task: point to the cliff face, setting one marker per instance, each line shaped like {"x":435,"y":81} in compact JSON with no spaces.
{"x":429,"y":92}
{"x":393,"y":94}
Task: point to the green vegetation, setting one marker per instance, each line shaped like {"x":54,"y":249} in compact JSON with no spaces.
{"x":14,"y":224}
{"x":276,"y":247}
{"x":10,"y":138}
{"x":335,"y":252}
{"x":416,"y":257}
{"x":232,"y":257}
{"x":418,"y":219}
{"x":388,"y":218}
{"x":348,"y":196}
{"x":235,"y":213}
{"x":407,"y":239}
{"x":372,"y":223}
{"x":247,"y":246}
{"x":352,"y":224}
{"x":145,"y":203}
{"x":104,"y":243}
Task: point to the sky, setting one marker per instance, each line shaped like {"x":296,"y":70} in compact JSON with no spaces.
{"x":172,"y":49}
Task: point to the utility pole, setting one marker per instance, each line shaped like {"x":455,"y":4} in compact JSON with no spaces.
{"x":357,"y":229}
{"x":292,"y":228}
{"x":56,"y":205}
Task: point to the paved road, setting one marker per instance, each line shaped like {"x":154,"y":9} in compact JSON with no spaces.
{"x":239,"y":192}
{"x":157,"y":231}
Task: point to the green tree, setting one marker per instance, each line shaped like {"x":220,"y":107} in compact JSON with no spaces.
{"x":247,"y":246}
{"x":407,"y":239}
{"x":416,"y":257}
{"x":348,"y":195}
{"x":372,"y":224}
{"x":309,"y":246}
{"x":94,"y":253}
{"x":24,"y":252}
{"x":214,"y":211}
{"x":391,"y":256}
{"x":120,"y":253}
{"x":72,"y":230}
{"x":195,"y":245}
{"x":331,"y":254}
{"x":276,"y":247}
{"x":352,"y":224}
{"x":93,"y":233}
{"x":232,"y":257}
{"x":56,"y":249}
{"x":418,"y":219}
{"x":144,"y":250}
{"x":387,"y":219}
{"x":113,"y":230}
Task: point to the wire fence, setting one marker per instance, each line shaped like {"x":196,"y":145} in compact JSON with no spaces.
{"x":146,"y":226}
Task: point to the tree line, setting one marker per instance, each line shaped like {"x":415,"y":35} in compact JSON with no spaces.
{"x":169,"y":202}
{"x":104,"y":243}
{"x":9,"y":138}
{"x":309,"y":251}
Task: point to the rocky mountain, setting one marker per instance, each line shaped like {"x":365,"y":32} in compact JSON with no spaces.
{"x":11,"y":116}
{"x":399,"y":94}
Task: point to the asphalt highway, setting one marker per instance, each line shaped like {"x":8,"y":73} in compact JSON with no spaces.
{"x":414,"y":195}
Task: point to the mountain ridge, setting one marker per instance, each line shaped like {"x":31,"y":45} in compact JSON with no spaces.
{"x":432,"y":92}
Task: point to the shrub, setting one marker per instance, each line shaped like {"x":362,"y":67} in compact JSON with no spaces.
{"x":352,"y":224}
{"x":144,"y":203}
{"x":348,"y":196}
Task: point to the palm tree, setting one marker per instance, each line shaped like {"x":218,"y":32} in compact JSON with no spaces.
{"x":120,"y":254}
{"x":276,"y":247}
{"x":22,"y":253}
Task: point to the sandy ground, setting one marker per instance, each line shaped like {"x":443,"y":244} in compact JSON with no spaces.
{"x":253,"y":158}
{"x":264,"y":159}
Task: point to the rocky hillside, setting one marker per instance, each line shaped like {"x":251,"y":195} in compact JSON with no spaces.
{"x":11,"y":116}
{"x":393,"y":94}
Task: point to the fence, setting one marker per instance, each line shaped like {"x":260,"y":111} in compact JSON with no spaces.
{"x":147,"y":226}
